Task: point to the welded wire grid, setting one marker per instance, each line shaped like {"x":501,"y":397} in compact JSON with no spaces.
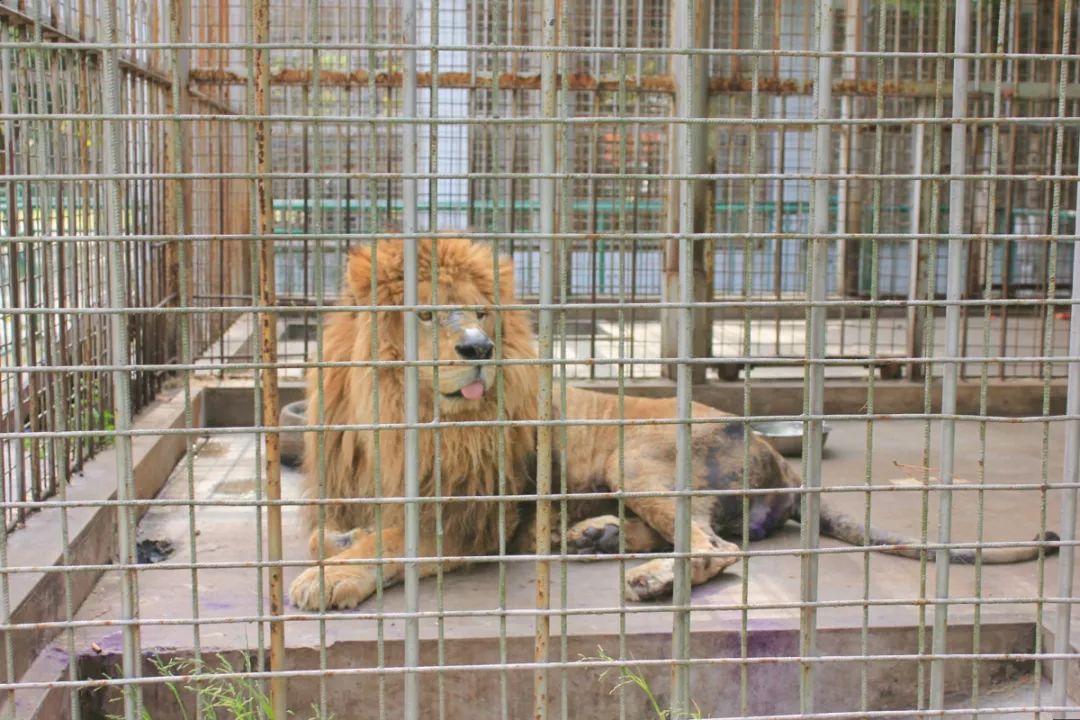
{"x":793,"y":194}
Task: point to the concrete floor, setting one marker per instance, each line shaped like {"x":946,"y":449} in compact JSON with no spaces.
{"x":224,"y":468}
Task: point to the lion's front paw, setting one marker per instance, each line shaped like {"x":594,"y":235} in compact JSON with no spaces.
{"x":652,"y":580}
{"x":595,"y":536}
{"x":346,"y":587}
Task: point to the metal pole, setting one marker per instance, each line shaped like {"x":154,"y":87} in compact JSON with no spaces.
{"x":822,"y":151}
{"x":412,"y":398}
{"x":268,"y":348}
{"x":119,"y":355}
{"x":1071,"y":476}
{"x":915,"y":290}
{"x":687,"y":149}
{"x":549,"y":108}
{"x":316,"y":227}
{"x":16,"y":380}
{"x":954,"y":286}
{"x":179,"y":154}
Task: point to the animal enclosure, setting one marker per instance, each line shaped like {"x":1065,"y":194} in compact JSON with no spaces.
{"x":854,"y":220}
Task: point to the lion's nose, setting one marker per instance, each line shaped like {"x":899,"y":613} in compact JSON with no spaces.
{"x":475,"y":345}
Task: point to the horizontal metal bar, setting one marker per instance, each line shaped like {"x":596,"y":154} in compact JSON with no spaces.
{"x":757,"y":360}
{"x":519,"y":423}
{"x":583,"y":665}
{"x":354,"y":616}
{"x":324,"y":45}
{"x":523,"y":236}
{"x":920,"y":487}
{"x":538,"y":120}
{"x":299,"y":175}
{"x":338,"y":561}
{"x":733,"y":303}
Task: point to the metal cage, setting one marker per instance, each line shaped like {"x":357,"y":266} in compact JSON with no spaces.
{"x":855,"y":216}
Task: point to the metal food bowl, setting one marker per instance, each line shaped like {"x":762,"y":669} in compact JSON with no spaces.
{"x":786,"y":435}
{"x":292,"y":443}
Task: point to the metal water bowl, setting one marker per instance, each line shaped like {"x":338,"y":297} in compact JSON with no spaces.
{"x":292,"y":443}
{"x":786,"y":435}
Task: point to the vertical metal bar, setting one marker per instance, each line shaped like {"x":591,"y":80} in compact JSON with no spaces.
{"x":268,"y":348}
{"x":1071,"y":471}
{"x":747,"y":291}
{"x":179,"y":153}
{"x":433,"y":227}
{"x":412,"y":398}
{"x":1051,"y":294}
{"x":314,"y":107}
{"x":376,"y":446}
{"x":875,"y":225}
{"x":928,"y":328}
{"x":818,"y":266}
{"x":548,"y":108}
{"x":18,"y":466}
{"x":1012,"y":72}
{"x":254,"y":204}
{"x":118,"y":356}
{"x":680,"y":641}
{"x":1071,"y":478}
{"x":625,"y":249}
{"x":984,"y":374}
{"x":914,"y":313}
{"x":64,"y":410}
{"x":562,"y":264}
{"x":42,"y":152}
{"x":950,"y":372}
{"x":500,"y":220}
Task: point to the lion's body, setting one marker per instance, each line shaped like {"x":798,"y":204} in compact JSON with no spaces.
{"x":365,"y":464}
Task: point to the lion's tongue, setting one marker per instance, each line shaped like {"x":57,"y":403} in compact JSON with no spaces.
{"x":473,"y":391}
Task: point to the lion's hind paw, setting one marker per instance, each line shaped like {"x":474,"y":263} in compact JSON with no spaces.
{"x":595,"y":536}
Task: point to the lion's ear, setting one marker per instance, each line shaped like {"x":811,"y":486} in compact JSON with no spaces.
{"x":359,"y":273}
{"x":506,"y":278}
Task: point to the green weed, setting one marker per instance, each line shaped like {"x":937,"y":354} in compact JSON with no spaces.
{"x":631,"y":677}
{"x":225,"y":698}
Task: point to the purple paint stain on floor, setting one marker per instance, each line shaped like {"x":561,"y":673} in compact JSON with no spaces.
{"x":56,"y":655}
{"x":215,"y":605}
{"x":113,"y":642}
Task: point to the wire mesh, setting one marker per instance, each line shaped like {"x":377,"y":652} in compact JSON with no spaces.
{"x":858,"y":217}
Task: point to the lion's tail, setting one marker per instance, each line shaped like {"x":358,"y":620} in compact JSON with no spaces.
{"x":845,"y":528}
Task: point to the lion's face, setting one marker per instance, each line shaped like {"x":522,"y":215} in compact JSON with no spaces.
{"x":461,"y":334}
{"x":461,"y":338}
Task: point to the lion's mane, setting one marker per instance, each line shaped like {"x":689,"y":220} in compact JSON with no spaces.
{"x":468,"y":456}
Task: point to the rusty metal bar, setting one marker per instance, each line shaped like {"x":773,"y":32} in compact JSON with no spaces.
{"x":268,"y":350}
{"x":119,"y":351}
{"x":544,"y":445}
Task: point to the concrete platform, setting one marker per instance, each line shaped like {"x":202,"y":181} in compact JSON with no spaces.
{"x":224,"y":468}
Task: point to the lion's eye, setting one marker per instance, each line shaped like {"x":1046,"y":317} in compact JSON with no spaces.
{"x":480,"y":314}
{"x":424,"y":315}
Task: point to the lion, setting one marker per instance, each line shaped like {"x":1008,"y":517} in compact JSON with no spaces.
{"x":469,"y":454}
